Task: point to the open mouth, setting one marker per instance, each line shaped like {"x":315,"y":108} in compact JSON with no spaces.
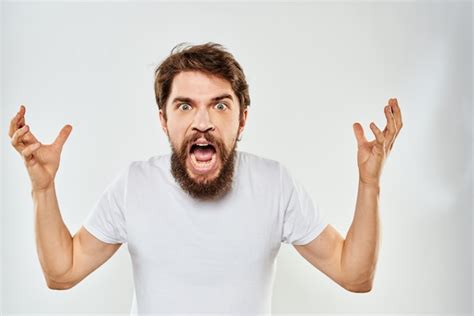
{"x":203,"y":156}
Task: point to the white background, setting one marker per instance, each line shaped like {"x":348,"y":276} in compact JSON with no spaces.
{"x":313,"y":70}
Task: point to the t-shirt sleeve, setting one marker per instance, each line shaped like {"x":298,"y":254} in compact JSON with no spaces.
{"x":303,"y":220}
{"x":107,"y":221}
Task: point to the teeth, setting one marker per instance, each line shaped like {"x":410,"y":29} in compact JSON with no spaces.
{"x":202,"y":145}
{"x":203,"y":165}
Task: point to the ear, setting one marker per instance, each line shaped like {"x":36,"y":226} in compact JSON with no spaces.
{"x":164,"y":122}
{"x":243,"y":121}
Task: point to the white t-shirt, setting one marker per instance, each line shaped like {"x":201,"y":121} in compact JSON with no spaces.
{"x":193,"y":256}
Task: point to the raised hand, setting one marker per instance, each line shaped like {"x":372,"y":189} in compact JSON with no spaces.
{"x":371,"y":155}
{"x":41,"y":161}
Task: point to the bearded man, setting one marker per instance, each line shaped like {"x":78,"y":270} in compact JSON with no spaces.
{"x":204,"y":224}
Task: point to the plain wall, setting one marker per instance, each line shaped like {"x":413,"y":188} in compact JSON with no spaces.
{"x":313,"y":70}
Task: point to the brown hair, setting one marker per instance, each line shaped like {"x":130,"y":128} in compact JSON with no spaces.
{"x":210,"y":58}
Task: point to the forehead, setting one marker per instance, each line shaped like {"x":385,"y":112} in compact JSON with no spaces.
{"x":196,"y":84}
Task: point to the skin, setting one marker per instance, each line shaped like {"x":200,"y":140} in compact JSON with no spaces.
{"x":200,"y":115}
{"x":66,"y":260}
{"x":41,"y":160}
{"x":351,"y":262}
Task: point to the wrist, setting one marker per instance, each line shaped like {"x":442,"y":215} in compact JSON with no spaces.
{"x":41,"y":191}
{"x":373,"y":185}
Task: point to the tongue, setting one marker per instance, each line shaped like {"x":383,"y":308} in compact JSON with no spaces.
{"x":203,"y":154}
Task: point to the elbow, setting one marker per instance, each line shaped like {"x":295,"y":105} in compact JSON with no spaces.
{"x":363,"y":287}
{"x":64,"y":281}
{"x":59,"y":286}
{"x":362,"y":283}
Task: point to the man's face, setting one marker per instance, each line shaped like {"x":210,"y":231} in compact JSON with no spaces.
{"x":202,"y":126}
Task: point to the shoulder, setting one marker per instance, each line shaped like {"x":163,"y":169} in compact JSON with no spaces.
{"x":266,"y":167}
{"x":147,"y":166}
{"x":251,"y":159}
{"x":153,"y":162}
{"x":269,"y":170}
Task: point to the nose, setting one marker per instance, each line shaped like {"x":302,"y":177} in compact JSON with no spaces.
{"x":202,"y":121}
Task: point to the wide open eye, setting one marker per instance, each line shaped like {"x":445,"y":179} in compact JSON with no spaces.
{"x":184,"y":107}
{"x":221,"y":106}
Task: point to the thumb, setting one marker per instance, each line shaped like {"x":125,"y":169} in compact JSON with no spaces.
{"x":359,"y":133}
{"x":63,"y":136}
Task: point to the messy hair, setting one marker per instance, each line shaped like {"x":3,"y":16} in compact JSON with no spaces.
{"x":210,"y":58}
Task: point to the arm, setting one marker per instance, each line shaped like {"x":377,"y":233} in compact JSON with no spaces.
{"x":53,"y":240}
{"x":65,"y":260}
{"x":351,"y":262}
{"x":361,"y":246}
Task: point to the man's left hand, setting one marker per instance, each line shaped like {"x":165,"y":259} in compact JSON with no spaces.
{"x":371,"y":155}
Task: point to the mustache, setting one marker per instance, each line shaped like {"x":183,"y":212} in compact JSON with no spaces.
{"x":194,"y":137}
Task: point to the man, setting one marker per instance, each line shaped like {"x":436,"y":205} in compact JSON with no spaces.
{"x":204,"y":224}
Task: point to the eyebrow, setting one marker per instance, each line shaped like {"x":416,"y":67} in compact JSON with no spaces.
{"x":218,"y":98}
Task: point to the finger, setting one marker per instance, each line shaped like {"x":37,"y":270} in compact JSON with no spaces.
{"x":390,"y":130}
{"x":63,"y":136}
{"x":17,"y":139}
{"x":397,"y":117}
{"x":380,"y":140}
{"x":29,"y":138}
{"x":25,"y":137}
{"x":27,"y":153}
{"x":396,"y":113}
{"x":17,"y":120}
{"x":359,"y":133}
{"x":21,"y":122}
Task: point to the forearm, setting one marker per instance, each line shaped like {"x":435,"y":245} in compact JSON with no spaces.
{"x":53,"y":239}
{"x":360,"y":250}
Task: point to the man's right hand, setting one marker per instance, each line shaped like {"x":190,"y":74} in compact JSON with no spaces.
{"x":41,"y":161}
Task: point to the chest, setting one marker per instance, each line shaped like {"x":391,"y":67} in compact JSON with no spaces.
{"x":184,"y":241}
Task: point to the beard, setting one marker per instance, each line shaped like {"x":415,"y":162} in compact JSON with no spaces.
{"x":203,"y":188}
